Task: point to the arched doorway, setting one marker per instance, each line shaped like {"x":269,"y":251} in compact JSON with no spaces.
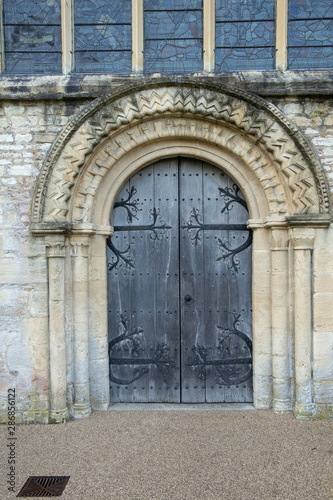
{"x":179,"y":284}
{"x":117,"y":136}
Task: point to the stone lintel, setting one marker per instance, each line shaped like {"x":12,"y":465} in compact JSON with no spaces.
{"x":79,"y":86}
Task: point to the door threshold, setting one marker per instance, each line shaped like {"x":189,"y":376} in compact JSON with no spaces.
{"x":180,"y":406}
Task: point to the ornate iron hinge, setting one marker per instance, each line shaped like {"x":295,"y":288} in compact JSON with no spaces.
{"x":156,"y":229}
{"x":230,"y":196}
{"x":229,"y":370}
{"x":133,"y":341}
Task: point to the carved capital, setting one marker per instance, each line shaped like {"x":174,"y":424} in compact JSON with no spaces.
{"x":79,"y":246}
{"x":280,"y":239}
{"x":55,"y":246}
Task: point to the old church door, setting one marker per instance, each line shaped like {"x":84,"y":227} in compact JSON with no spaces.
{"x":179,"y":279}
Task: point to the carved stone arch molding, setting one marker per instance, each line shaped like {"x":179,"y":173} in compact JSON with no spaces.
{"x":115,"y":136}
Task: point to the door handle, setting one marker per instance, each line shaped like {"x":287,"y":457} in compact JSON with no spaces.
{"x":188,"y":299}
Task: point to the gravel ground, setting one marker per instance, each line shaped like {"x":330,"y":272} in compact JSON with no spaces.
{"x":176,"y":455}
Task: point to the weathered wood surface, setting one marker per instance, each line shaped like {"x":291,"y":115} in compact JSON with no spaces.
{"x":178,"y":304}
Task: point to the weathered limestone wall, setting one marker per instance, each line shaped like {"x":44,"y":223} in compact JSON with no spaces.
{"x":27,"y":132}
{"x":28,"y":127}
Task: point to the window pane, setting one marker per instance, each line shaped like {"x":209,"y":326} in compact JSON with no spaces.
{"x":173,"y":36}
{"x":307,"y":9}
{"x":31,"y":11}
{"x":32,"y":35}
{"x":102,"y":36}
{"x":244,"y":10}
{"x":310,"y":34}
{"x":242,"y":59}
{"x":245,"y":35}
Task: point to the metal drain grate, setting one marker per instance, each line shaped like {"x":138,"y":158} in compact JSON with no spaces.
{"x":44,"y":486}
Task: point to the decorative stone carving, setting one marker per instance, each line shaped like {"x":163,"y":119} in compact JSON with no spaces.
{"x":215,"y":113}
{"x":102,"y":147}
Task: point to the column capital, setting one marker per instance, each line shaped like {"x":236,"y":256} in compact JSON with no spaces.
{"x":280,"y":238}
{"x":79,"y":245}
{"x":55,"y":246}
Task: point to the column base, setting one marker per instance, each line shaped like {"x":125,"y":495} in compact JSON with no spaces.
{"x":304,"y":410}
{"x":281,"y":405}
{"x":81,"y":410}
{"x":59,"y":416}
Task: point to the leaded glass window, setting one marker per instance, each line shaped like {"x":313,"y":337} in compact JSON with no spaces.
{"x":32,"y":36}
{"x":245,"y":35}
{"x":102,"y":36}
{"x":310,"y":34}
{"x":173,"y":36}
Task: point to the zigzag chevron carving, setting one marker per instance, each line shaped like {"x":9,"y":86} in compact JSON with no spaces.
{"x":246,"y":125}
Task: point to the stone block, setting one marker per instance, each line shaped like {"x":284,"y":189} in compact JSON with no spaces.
{"x":35,"y":330}
{"x":322,"y":312}
{"x":38,"y":303}
{"x":13,"y":110}
{"x":6,"y":138}
{"x":323,"y":392}
{"x":20,"y":357}
{"x":323,"y":356}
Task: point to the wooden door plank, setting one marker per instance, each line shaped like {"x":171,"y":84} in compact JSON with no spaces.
{"x":192,"y":282}
{"x":143,"y":291}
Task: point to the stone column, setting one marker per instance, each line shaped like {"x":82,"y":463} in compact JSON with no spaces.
{"x":303,"y":244}
{"x":98,"y":337}
{"x":261,"y":316}
{"x":55,"y":251}
{"x":80,"y":276}
{"x":280,"y":321}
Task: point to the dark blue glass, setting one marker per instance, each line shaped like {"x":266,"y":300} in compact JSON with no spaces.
{"x":173,"y":36}
{"x":244,"y":59}
{"x":244,"y":10}
{"x":29,"y":63}
{"x":104,"y":62}
{"x":164,"y":5}
{"x":310,"y":57}
{"x":245,"y":35}
{"x":32,"y":36}
{"x":31,"y":12}
{"x":173,"y":56}
{"x":307,"y":9}
{"x":310,"y":34}
{"x":103,"y":36}
{"x":249,"y":34}
{"x":102,"y":11}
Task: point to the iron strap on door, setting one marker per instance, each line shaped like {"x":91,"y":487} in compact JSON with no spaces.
{"x":229,"y":354}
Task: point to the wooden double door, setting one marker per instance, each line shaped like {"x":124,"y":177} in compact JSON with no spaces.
{"x":179,"y":285}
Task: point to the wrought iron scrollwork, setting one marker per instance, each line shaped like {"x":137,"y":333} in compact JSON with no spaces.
{"x":230,"y":196}
{"x":130,"y":205}
{"x":156,"y":228}
{"x":232,"y":252}
{"x":231,"y":369}
{"x":133,"y":342}
{"x":195,"y":227}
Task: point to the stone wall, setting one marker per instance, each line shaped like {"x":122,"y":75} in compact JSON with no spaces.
{"x":29,"y":123}
{"x":27,"y":132}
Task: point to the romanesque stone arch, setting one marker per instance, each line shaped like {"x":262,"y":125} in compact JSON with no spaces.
{"x":101,"y":148}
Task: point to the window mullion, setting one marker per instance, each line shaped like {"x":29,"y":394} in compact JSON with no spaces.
{"x":208,"y":35}
{"x":137,"y":36}
{"x":67,"y":36}
{"x":281,"y":34}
